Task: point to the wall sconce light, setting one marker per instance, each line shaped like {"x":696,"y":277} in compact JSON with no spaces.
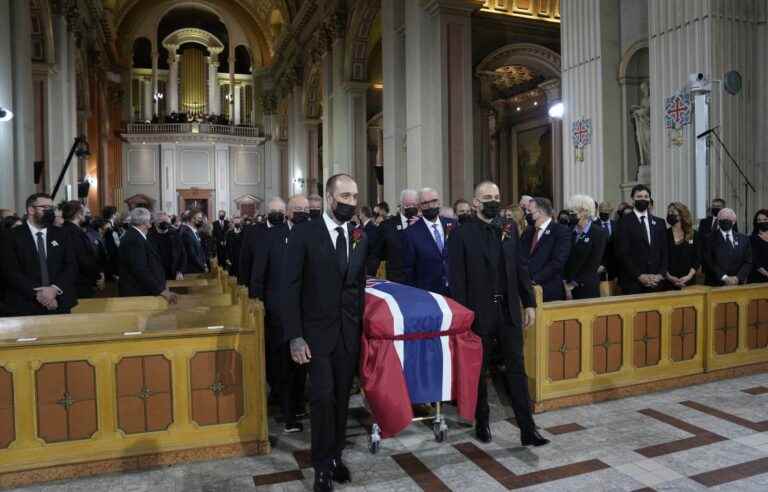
{"x":557,"y":110}
{"x":5,"y":114}
{"x":158,"y":96}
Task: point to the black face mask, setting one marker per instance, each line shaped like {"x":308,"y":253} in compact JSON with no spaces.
{"x":198,"y":223}
{"x":642,"y":205}
{"x":491,"y":209}
{"x":430,"y":213}
{"x":237,"y":227}
{"x":410,"y":212}
{"x":299,"y":217}
{"x":163,"y":226}
{"x":248,"y":223}
{"x":49,"y":216}
{"x":344,"y":212}
{"x":529,"y":219}
{"x":725,"y":225}
{"x":464,"y":218}
{"x":573,"y":220}
{"x":672,"y":219}
{"x":715,"y":211}
{"x":762,"y":226}
{"x":564,"y":220}
{"x":221,"y":216}
{"x":315,"y":213}
{"x":86,"y":221}
{"x":276,"y":218}
{"x":605,"y":217}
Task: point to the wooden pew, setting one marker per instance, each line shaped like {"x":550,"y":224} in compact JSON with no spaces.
{"x":75,"y":389}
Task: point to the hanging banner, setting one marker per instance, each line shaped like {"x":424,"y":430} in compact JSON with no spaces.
{"x":677,"y":114}
{"x":581,"y":134}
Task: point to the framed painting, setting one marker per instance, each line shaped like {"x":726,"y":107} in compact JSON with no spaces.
{"x":533,"y":160}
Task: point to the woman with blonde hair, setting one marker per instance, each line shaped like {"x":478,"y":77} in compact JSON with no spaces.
{"x":517,"y":215}
{"x":582,"y":281}
{"x":683,"y":254}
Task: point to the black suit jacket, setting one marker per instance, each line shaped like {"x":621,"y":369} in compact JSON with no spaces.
{"x":168,"y":245}
{"x":609,"y":258}
{"x":219,"y":231}
{"x":587,"y":253}
{"x":470,"y":269}
{"x":21,"y":269}
{"x":112,"y":260}
{"x":88,"y":267}
{"x":197,"y":260}
{"x":141,"y":270}
{"x":547,"y":261}
{"x":720,"y":258}
{"x":267,"y":277}
{"x":372,"y":233}
{"x":252,"y":235}
{"x":234,"y":245}
{"x":637,"y":257}
{"x":426,"y":267}
{"x":389,"y":248}
{"x":320,"y":302}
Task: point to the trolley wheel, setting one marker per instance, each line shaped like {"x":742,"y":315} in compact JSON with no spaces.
{"x":440,"y":430}
{"x":375,"y":439}
{"x":373,"y":447}
{"x":441,"y":436}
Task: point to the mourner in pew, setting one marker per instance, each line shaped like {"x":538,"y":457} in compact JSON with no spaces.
{"x":192,"y":222}
{"x":609,"y":265}
{"x":168,"y":245}
{"x":727,"y":256}
{"x":141,"y":269}
{"x":234,"y":244}
{"x":759,"y":240}
{"x":220,"y":229}
{"x":582,"y":280}
{"x":286,"y":378}
{"x":38,"y":263}
{"x":683,"y":247}
{"x":89,"y":269}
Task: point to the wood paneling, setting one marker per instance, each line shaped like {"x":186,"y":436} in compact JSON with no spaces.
{"x":607,"y":344}
{"x":683,"y":334}
{"x":726,"y":327}
{"x":7,"y":423}
{"x":757,"y":324}
{"x":647,"y":338}
{"x":144,"y":396}
{"x":564,"y":349}
{"x":216,"y":379}
{"x":66,"y":401}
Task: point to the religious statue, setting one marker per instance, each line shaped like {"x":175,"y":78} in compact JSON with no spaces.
{"x":641,"y":115}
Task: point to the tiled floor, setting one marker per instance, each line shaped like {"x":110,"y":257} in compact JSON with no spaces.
{"x":707,"y":437}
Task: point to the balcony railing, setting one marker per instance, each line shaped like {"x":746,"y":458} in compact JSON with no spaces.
{"x":181,"y":128}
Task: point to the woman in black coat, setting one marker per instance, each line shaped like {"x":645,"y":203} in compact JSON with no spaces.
{"x":682,"y":247}
{"x":589,"y":242}
{"x":759,"y":241}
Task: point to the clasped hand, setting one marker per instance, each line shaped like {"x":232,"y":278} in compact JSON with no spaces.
{"x":300,"y":352}
{"x":47,"y":297}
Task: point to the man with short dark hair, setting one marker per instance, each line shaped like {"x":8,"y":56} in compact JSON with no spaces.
{"x":708,"y":224}
{"x":365,"y":217}
{"x":315,"y":206}
{"x":89,"y":271}
{"x":322,"y":312}
{"x":168,"y":245}
{"x":463,"y":210}
{"x":38,"y":264}
{"x":220,"y":228}
{"x":234,"y":247}
{"x":111,"y":241}
{"x":381,"y":212}
{"x":191,"y":223}
{"x":546,"y":246}
{"x":641,"y":247}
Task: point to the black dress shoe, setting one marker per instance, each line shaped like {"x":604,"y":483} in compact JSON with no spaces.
{"x":340,"y":472}
{"x":533,"y":438}
{"x":483,"y":433}
{"x":323,"y":482}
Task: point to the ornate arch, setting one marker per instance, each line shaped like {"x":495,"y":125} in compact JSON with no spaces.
{"x":359,"y":29}
{"x":627,"y":57}
{"x":540,"y":59}
{"x":193,"y":35}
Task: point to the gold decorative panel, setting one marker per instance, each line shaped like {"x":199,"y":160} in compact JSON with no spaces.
{"x":726,"y":327}
{"x":194,"y":76}
{"x":607,"y":344}
{"x":66,"y":401}
{"x":7,"y":421}
{"x":647,"y":338}
{"x":144,"y":399}
{"x":564,"y":349}
{"x":216,"y":378}
{"x":757,"y":324}
{"x":683,"y":334}
{"x":543,"y":10}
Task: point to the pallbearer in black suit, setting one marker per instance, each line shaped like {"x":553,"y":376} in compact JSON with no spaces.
{"x":389,"y":245}
{"x":220,"y":229}
{"x":759,"y":241}
{"x":365,"y":219}
{"x":546,"y":246}
{"x":141,"y":270}
{"x":489,"y":276}
{"x":255,"y":233}
{"x":641,"y":247}
{"x":189,"y":233}
{"x":727,"y":254}
{"x":582,"y":280}
{"x":234,"y":246}
{"x":682,"y":246}
{"x":286,"y":378}
{"x":39,"y":266}
{"x":89,"y":270}
{"x":324,"y":287}
{"x":166,"y":242}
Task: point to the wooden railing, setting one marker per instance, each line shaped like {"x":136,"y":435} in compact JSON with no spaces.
{"x":580,"y":351}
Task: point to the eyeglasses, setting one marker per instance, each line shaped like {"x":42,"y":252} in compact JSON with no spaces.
{"x":44,"y":207}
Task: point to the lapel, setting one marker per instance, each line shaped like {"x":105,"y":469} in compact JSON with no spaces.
{"x":639,"y":227}
{"x":29,"y":244}
{"x":354,"y":249}
{"x":544,"y":236}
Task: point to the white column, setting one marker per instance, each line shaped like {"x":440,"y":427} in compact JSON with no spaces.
{"x":271,"y":156}
{"x":173,"y":81}
{"x":357,"y":136}
{"x":213,"y":86}
{"x":156,"y":102}
{"x":298,"y":172}
{"x":222,"y":177}
{"x":327,"y":77}
{"x":590,"y":41}
{"x":147,"y":93}
{"x":168,"y":202}
{"x":238,"y":101}
{"x":551,"y":89}
{"x":393,"y":56}
{"x":7,"y":164}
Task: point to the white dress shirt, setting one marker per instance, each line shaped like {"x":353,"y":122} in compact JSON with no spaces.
{"x":34,"y":230}
{"x":728,"y":236}
{"x":403,"y":221}
{"x":647,"y":225}
{"x":540,"y":230}
{"x":331,"y":226}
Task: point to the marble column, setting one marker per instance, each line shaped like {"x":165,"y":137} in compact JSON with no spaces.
{"x":394,"y":112}
{"x":590,"y":55}
{"x":223,"y":158}
{"x":238,"y":89}
{"x":7,"y":165}
{"x":312,"y":127}
{"x":551,"y":90}
{"x":726,"y":36}
{"x":173,"y":80}
{"x":147,"y":96}
{"x":213,"y":85}
{"x":156,"y":102}
{"x":271,"y":155}
{"x":357,"y":132}
{"x":298,"y":173}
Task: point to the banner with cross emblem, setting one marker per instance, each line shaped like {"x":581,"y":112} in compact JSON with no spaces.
{"x":677,"y":114}
{"x":581,"y":134}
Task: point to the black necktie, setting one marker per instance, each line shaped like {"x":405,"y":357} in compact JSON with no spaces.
{"x":341,"y":249}
{"x":43,"y":259}
{"x":646,"y":231}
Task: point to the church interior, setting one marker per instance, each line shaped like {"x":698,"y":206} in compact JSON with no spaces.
{"x":222,"y":105}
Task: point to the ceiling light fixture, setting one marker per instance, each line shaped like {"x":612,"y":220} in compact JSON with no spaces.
{"x":557,"y":110}
{"x":5,"y":114}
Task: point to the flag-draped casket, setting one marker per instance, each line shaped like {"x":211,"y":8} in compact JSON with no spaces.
{"x":417,"y":347}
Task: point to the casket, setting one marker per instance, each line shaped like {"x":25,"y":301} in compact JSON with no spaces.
{"x":417,"y":347}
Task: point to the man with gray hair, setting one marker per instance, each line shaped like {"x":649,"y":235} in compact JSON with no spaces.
{"x":140,"y":267}
{"x":727,"y":257}
{"x":253,"y":234}
{"x":389,"y":245}
{"x":168,"y":245}
{"x":315,"y":207}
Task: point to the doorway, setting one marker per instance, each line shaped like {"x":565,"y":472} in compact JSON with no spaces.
{"x":196,"y":198}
